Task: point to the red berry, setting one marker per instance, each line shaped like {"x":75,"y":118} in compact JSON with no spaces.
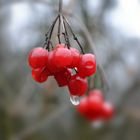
{"x":95,"y":102}
{"x":75,"y":57}
{"x":83,"y":106}
{"x":107,"y":111}
{"x":40,"y":75}
{"x":96,"y":92}
{"x":87,"y":65}
{"x":83,"y":109}
{"x":95,"y":105}
{"x":63,"y":77}
{"x":38,"y":58}
{"x":51,"y":66}
{"x":77,"y":85}
{"x":62,"y":57}
{"x":92,"y":116}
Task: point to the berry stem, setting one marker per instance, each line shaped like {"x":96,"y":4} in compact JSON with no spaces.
{"x":50,"y":35}
{"x":60,"y":6}
{"x":66,"y":36}
{"x":48,"y":32}
{"x":103,"y":79}
{"x":59,"y":30}
{"x":46,"y":39}
{"x":74,"y":36}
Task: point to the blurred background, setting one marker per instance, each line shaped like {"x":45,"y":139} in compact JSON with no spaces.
{"x":31,"y":111}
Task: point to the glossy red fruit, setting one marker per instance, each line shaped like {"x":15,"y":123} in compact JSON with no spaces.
{"x":77,"y":85}
{"x":83,"y":106}
{"x":107,"y":111}
{"x":87,"y":65}
{"x":38,"y":58}
{"x":63,"y":77}
{"x":62,"y":57}
{"x":96,"y":92}
{"x":75,"y":57}
{"x":40,"y":75}
{"x":50,"y":65}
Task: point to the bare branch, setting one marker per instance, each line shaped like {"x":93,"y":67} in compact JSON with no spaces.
{"x":43,"y":124}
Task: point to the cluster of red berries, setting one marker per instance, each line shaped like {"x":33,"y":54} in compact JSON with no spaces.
{"x":94,"y":108}
{"x":61,"y":62}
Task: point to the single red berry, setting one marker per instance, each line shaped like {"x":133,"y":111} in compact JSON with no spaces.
{"x":38,"y":58}
{"x":62,"y":57}
{"x":95,"y":104}
{"x":40,"y":75}
{"x":77,"y":85}
{"x":85,"y":110}
{"x":94,"y":107}
{"x":63,"y":77}
{"x":96,"y":92}
{"x":107,"y":111}
{"x":51,"y":66}
{"x":83,"y":106}
{"x":75,"y":57}
{"x":87,"y":65}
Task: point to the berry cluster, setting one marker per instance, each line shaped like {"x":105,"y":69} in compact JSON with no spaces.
{"x":69,"y":68}
{"x":94,"y":108}
{"x":67,"y":65}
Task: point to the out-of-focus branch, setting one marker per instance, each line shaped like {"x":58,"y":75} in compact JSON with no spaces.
{"x":9,"y":2}
{"x":23,"y":96}
{"x":92,"y":46}
{"x":132,"y":112}
{"x":42,"y":124}
{"x":68,"y":9}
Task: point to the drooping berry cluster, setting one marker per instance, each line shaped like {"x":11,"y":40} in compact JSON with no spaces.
{"x":67,"y":65}
{"x":94,"y":108}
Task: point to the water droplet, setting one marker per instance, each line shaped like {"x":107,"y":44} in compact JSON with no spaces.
{"x":75,"y":100}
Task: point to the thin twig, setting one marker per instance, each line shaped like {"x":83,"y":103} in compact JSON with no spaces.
{"x":66,"y":36}
{"x":60,"y":6}
{"x":50,"y":35}
{"x":74,"y":37}
{"x":59,"y":30}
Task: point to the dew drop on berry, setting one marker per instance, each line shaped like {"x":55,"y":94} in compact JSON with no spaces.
{"x":75,"y":100}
